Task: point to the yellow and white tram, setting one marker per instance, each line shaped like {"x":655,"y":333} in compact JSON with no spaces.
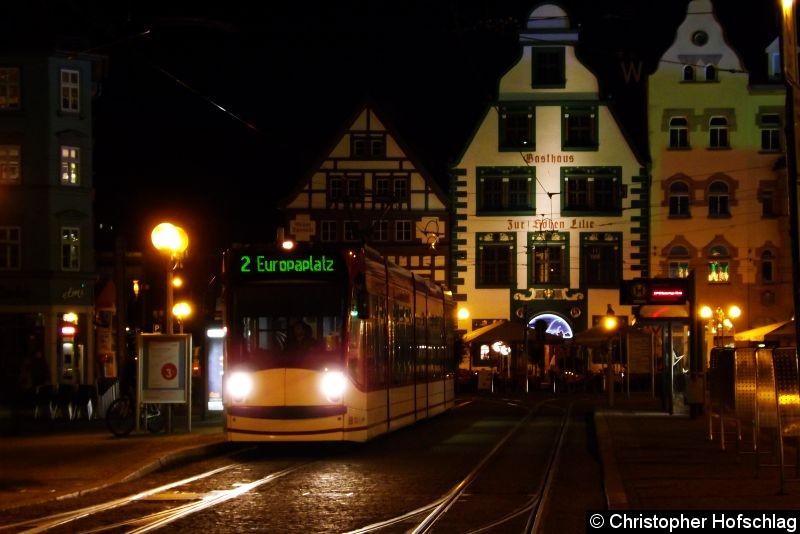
{"x":331,"y":344}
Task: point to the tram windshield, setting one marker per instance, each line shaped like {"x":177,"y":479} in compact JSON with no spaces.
{"x":291,"y":325}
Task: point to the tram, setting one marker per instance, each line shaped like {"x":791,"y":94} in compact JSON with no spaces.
{"x":331,"y":343}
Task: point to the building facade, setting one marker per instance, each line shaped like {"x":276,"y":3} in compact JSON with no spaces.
{"x":370,"y":189}
{"x":550,"y":199}
{"x":46,"y":246}
{"x":719,"y":199}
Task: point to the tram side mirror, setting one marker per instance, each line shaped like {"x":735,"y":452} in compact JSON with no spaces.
{"x":360,"y":297}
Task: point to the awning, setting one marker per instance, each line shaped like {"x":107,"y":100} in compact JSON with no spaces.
{"x":506,"y":331}
{"x":597,"y":335}
{"x":758,"y":333}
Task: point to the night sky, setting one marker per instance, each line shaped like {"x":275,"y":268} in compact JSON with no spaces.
{"x":290,"y":74}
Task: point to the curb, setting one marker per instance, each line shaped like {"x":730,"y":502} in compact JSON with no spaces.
{"x":616,"y":497}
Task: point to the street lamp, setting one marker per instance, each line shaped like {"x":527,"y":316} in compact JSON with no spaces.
{"x":173,"y":241}
{"x":719,"y":321}
{"x":610,"y":325}
{"x":181,"y":311}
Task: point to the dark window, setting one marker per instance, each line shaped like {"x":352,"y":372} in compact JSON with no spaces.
{"x":770,"y":132}
{"x":718,"y":132}
{"x":688,"y":73}
{"x":354,"y":188}
{"x":381,"y":190}
{"x":366,"y":146}
{"x":579,"y":127}
{"x":602,"y":260}
{"x":547,"y":67}
{"x":585,"y":190}
{"x":718,"y":200}
{"x":516,"y":129}
{"x":401,"y":189}
{"x":505,"y":189}
{"x":767,"y":199}
{"x":711,"y":73}
{"x":679,"y":200}
{"x":494,"y":265}
{"x":335,"y":189}
{"x":549,"y":261}
{"x":678,"y":132}
{"x":767,"y":267}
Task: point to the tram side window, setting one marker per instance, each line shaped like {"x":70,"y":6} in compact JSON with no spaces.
{"x":403,"y":364}
{"x":419,"y":324}
{"x":375,"y":354}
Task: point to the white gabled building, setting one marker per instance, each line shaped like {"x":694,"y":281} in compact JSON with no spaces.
{"x":549,"y":197}
{"x":719,"y":183}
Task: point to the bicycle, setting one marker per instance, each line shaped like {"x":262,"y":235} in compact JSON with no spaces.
{"x":121,"y":417}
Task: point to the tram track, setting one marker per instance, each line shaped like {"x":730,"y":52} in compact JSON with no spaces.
{"x":434,"y":513}
{"x":486,"y":467}
{"x":152,"y":521}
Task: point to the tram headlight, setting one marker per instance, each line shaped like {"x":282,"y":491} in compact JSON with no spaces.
{"x":333,"y":385}
{"x":240,"y":384}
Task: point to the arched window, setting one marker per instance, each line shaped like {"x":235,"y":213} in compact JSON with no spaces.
{"x":678,"y":262}
{"x":711,"y":73}
{"x":718,"y":132}
{"x":718,"y":200}
{"x":679,"y":199}
{"x":767,"y":267}
{"x":719,"y":265}
{"x":678,"y":132}
{"x":688,"y":73}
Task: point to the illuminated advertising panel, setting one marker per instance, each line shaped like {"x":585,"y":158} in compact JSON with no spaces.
{"x":273,"y":264}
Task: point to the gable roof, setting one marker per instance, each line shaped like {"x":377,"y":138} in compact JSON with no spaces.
{"x":367,"y":106}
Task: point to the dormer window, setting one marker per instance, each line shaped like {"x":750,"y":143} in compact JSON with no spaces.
{"x":688,"y":73}
{"x":711,"y":73}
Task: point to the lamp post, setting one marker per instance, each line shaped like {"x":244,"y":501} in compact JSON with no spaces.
{"x":173,"y":241}
{"x":610,"y":325}
{"x":791,"y":78}
{"x":720,"y":320}
{"x":181,"y":310}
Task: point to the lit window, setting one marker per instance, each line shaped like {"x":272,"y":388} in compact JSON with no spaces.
{"x":9,"y":164}
{"x":718,"y":265}
{"x":9,"y":248}
{"x":9,"y":88}
{"x":70,"y":249}
{"x":70,"y":90}
{"x":70,"y":165}
{"x":678,"y":262}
